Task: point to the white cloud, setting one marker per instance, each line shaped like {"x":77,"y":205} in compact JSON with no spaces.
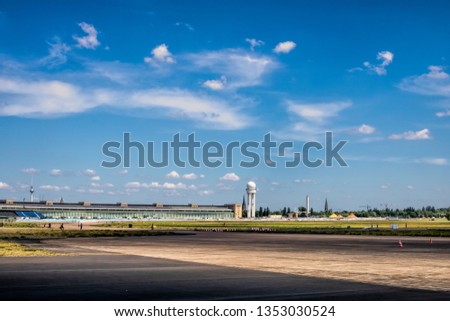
{"x":89,"y":172}
{"x":160,"y":53}
{"x":3,"y":185}
{"x":366,"y":129}
{"x":443,"y":113}
{"x":386,"y":58}
{"x":96,"y":191}
{"x":90,"y":40}
{"x":56,"y":172}
{"x":173,"y":186}
{"x":137,"y":185}
{"x":202,"y":176}
{"x":434,"y":83}
{"x":215,"y":84}
{"x":30,"y":170}
{"x":190,"y":176}
{"x":122,"y":172}
{"x":154,"y":184}
{"x":285,"y":47}
{"x":432,"y":161}
{"x":410,"y":187}
{"x":57,"y":53}
{"x":241,"y":68}
{"x":173,"y":174}
{"x":384,"y":186}
{"x":80,"y":190}
{"x":254,"y":43}
{"x":54,"y":188}
{"x":206,"y":192}
{"x":95,"y":178}
{"x":45,"y":98}
{"x":411,"y":135}
{"x":230,"y":177}
{"x":55,"y":98}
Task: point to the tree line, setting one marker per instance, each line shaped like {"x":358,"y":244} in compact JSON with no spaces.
{"x":408,"y":212}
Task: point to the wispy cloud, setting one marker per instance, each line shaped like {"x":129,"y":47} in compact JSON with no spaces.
{"x":177,"y":103}
{"x":311,"y":119}
{"x":411,"y":135}
{"x":317,"y":112}
{"x":436,"y":82}
{"x":284,"y":47}
{"x":56,"y":172}
{"x":57,"y":53}
{"x":89,"y":41}
{"x":44,"y":99}
{"x":443,"y":113}
{"x":160,"y":54}
{"x":30,"y":170}
{"x":304,"y":181}
{"x":241,"y":68}
{"x":185,"y":25}
{"x":254,"y":43}
{"x":54,"y":188}
{"x":432,"y":161}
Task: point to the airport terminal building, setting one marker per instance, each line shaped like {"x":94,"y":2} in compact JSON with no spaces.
{"x":85,"y":210}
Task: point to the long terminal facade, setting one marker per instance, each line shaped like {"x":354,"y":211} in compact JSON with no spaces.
{"x":85,"y":210}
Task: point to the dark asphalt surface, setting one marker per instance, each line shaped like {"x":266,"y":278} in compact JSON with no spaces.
{"x":101,"y":276}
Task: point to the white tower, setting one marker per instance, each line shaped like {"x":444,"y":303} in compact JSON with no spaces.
{"x":31,"y":189}
{"x":308,"y":209}
{"x":251,"y":204}
{"x":31,"y":194}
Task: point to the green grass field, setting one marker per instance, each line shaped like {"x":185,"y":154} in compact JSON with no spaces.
{"x":8,"y":248}
{"x":410,"y":227}
{"x":413,"y":227}
{"x":338,"y":224}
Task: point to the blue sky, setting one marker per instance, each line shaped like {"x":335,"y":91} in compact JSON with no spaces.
{"x":76,"y":74}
